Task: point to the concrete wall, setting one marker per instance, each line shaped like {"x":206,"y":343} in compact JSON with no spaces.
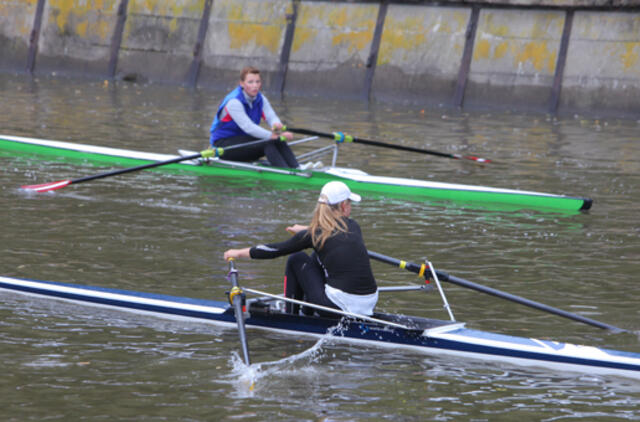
{"x":16,"y":22}
{"x":559,"y":56}
{"x":331,"y":42}
{"x":514,"y":57}
{"x":603,"y":63}
{"x":241,"y":33}
{"x":76,"y":36}
{"x":158,"y":38}
{"x":420,"y":54}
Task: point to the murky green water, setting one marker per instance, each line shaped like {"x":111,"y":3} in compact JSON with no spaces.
{"x":165,"y":233}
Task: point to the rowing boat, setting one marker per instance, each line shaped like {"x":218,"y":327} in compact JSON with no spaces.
{"x":359,"y":181}
{"x":425,"y":335}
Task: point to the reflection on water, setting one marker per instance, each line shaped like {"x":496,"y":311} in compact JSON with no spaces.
{"x":166,"y":232}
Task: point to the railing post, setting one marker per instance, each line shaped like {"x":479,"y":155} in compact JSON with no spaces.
{"x":465,"y":65}
{"x":34,"y":38}
{"x":375,"y":48}
{"x":560,"y":64}
{"x":281,"y":77}
{"x":116,"y":39}
{"x":194,"y":69}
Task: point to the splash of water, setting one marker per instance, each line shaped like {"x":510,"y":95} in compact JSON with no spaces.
{"x":250,"y":379}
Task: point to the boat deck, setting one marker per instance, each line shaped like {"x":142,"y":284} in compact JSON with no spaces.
{"x":267,"y":308}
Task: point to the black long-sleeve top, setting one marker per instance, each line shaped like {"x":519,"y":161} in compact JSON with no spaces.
{"x":344,"y":257}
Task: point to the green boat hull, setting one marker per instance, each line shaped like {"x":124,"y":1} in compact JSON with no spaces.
{"x":408,"y":189}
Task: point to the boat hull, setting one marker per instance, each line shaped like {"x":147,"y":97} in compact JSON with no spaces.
{"x":411,"y":189}
{"x":424,"y":335}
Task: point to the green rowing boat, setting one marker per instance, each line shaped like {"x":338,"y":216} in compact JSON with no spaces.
{"x":359,"y":181}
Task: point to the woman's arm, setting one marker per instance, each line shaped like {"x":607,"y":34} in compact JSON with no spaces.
{"x":299,"y":241}
{"x":269,"y":113}
{"x":296,"y":228}
{"x":236,"y":111}
{"x":273,"y":120}
{"x":237,"y":253}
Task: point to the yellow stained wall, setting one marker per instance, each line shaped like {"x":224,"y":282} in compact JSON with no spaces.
{"x":87,"y":19}
{"x":16,"y":18}
{"x":512,"y":42}
{"x":515,"y":49}
{"x":253,"y":28}
{"x":162,"y":13}
{"x":415,"y":39}
{"x":330,"y":33}
{"x":605,"y":45}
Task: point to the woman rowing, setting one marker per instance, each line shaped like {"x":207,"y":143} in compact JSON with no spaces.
{"x":237,"y":122}
{"x":338,"y":272}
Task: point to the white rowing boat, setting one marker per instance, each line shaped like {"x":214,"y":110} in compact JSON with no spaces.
{"x":424,"y":335}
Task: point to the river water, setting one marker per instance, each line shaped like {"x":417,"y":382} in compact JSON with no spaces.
{"x":165,"y":233}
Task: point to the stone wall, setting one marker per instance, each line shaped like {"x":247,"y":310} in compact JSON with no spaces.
{"x":16,"y":22}
{"x":549,"y":56}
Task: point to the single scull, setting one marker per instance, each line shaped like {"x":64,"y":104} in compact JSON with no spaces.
{"x":425,"y":335}
{"x":412,"y":189}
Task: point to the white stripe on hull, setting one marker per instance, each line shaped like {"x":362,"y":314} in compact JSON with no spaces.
{"x":595,"y":358}
{"x":346,"y":173}
{"x":122,"y":297}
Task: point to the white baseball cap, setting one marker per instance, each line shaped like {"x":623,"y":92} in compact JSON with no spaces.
{"x":336,"y":192}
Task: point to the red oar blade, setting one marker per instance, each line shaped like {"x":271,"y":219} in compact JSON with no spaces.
{"x":45,"y":187}
{"x":470,"y":157}
{"x":478,"y":159}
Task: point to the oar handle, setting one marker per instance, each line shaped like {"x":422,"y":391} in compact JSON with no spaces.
{"x":443,"y":276}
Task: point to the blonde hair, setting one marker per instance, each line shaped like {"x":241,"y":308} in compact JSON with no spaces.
{"x":327,"y":220}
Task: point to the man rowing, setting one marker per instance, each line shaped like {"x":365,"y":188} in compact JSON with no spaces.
{"x":338,"y":273}
{"x":237,"y":121}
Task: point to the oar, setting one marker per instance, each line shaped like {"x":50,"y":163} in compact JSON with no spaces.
{"x":235,"y":298}
{"x":343,"y":137}
{"x":443,"y":276}
{"x":207,"y":153}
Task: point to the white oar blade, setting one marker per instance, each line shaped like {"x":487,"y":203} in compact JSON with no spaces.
{"x":45,"y":187}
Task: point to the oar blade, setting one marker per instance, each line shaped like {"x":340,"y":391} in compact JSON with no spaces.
{"x":477,"y":159}
{"x":46,"y":187}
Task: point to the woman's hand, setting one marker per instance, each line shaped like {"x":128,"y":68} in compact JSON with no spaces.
{"x":276,"y":135}
{"x":236,"y":253}
{"x":296,"y":228}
